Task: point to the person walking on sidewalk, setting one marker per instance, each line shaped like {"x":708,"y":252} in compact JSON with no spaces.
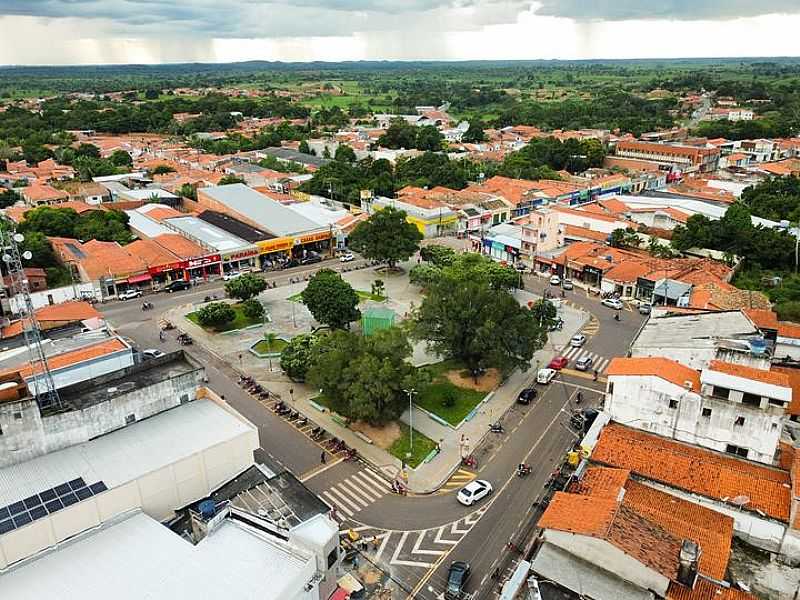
{"x":322,"y":458}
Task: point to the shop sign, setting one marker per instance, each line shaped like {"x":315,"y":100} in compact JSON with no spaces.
{"x":283,"y":243}
{"x":204,"y":262}
{"x":243,"y":254}
{"x":168,"y":267}
{"x":315,"y":237}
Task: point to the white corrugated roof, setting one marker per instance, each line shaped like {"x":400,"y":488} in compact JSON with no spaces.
{"x":139,"y":559}
{"x":126,"y":454}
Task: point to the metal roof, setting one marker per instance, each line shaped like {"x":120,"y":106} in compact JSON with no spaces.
{"x":126,"y":454}
{"x":135,"y":558}
{"x":207,"y":234}
{"x":268,"y":214}
{"x":295,"y":156}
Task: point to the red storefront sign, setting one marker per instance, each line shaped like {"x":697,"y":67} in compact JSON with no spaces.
{"x":168,"y":267}
{"x":203,"y":262}
{"x":243,"y":254}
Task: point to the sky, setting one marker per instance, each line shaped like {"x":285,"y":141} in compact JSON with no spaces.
{"x":158,"y":31}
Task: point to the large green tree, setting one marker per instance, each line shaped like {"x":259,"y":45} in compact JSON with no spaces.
{"x":465,"y":318}
{"x":296,"y":356}
{"x":216,"y":315}
{"x":464,"y":267}
{"x":386,"y":236}
{"x":331,"y":300}
{"x":245,"y":287}
{"x":364,"y":377}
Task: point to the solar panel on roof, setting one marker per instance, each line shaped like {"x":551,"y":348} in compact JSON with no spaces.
{"x":16,"y":508}
{"x":4,"y":513}
{"x":6,"y":526}
{"x":83,"y":493}
{"x":47,"y":495}
{"x":38,"y":512}
{"x":22,"y":519}
{"x":54,"y":505}
{"x":98,"y":487}
{"x":32,"y":501}
{"x":62,"y":489}
{"x":77,"y":483}
{"x":69,"y":499}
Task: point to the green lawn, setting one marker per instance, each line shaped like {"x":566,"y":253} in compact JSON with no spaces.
{"x":263,"y":347}
{"x":423,"y":446}
{"x":239,"y":322}
{"x":440,"y":388}
{"x":362,"y":296}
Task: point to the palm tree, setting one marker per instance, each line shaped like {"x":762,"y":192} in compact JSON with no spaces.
{"x":270,"y":338}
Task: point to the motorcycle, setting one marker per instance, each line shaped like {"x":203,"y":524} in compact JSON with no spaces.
{"x":469,"y":461}
{"x":352,"y":454}
{"x":523,"y":470}
{"x":399,"y":488}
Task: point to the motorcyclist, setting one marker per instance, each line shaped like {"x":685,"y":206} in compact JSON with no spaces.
{"x":616,"y":316}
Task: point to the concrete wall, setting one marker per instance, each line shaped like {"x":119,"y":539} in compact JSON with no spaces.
{"x":27,"y":434}
{"x":761,"y":532}
{"x":586,"y":220}
{"x":609,"y":557}
{"x":643,"y":402}
{"x":158,"y":494}
{"x":57,"y":296}
{"x":85,"y":370}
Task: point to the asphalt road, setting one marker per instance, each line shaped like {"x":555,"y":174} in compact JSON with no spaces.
{"x":421,"y":535}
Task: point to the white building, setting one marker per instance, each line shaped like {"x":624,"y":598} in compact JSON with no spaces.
{"x":725,"y":407}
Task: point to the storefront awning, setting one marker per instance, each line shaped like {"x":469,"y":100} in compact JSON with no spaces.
{"x":139,"y":278}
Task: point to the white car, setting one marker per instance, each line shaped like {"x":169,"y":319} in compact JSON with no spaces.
{"x":346,"y":257}
{"x":152,"y":353}
{"x":577,"y":340}
{"x":231,"y":275}
{"x":545,"y":376}
{"x":129,"y":294}
{"x":614,"y":303}
{"x":474,"y":491}
{"x":555,"y":280}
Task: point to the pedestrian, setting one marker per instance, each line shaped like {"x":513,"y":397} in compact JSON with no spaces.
{"x":322,"y":457}
{"x":496,"y":573}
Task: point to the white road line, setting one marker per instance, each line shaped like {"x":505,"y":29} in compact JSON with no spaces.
{"x":382,"y":547}
{"x":344,"y":498}
{"x":376,"y":487}
{"x":455,"y":530}
{"x":418,"y":543}
{"x":329,"y":465}
{"x":406,"y":563}
{"x":362,"y":493}
{"x":438,"y":539}
{"x":337,"y":505}
{"x":603,"y":365}
{"x":375,"y":478}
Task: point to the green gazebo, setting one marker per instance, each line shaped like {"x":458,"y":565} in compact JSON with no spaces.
{"x":376,"y":318}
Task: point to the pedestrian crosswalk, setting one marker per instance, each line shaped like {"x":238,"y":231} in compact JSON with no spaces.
{"x":458,"y":480}
{"x":599,"y":363}
{"x":356,"y":492}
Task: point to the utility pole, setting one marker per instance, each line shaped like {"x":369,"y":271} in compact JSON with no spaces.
{"x":411,"y":393}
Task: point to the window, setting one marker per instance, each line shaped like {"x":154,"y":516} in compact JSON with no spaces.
{"x":738,"y":451}
{"x":17,"y":415}
{"x":720,"y":392}
{"x":706,"y":412}
{"x":130,"y":419}
{"x":751,"y":399}
{"x":774,"y":426}
{"x":775,"y":402}
{"x":334,"y":554}
{"x":673,"y":403}
{"x":184,"y":398}
{"x":739,"y":421}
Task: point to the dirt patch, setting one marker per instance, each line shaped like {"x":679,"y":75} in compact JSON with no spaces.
{"x":486,"y":382}
{"x":382,"y":437}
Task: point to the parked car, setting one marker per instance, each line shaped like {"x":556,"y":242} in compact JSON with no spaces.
{"x":555,"y":280}
{"x":614,"y":303}
{"x":152,"y":353}
{"x":457,"y":577}
{"x":558,"y":363}
{"x":645,"y":309}
{"x":521,"y":268}
{"x":231,"y":275}
{"x":177,"y":286}
{"x":311,"y":259}
{"x":584,"y":363}
{"x":129,"y":294}
{"x":526,"y":396}
{"x":567,"y":284}
{"x":347,"y":257}
{"x":577,"y":340}
{"x":475,"y":490}
{"x":545,"y":376}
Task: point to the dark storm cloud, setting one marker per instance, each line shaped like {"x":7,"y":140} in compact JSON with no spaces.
{"x":682,"y":10}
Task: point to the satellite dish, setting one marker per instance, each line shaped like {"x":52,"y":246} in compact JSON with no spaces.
{"x":6,"y":258}
{"x":27,"y":255}
{"x":18,"y":237}
{"x":741,"y":500}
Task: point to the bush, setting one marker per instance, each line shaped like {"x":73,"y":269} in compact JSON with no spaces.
{"x":245,"y":287}
{"x":216,"y":315}
{"x":252,"y":309}
{"x":788,"y":311}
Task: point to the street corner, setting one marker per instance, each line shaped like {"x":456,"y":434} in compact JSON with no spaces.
{"x":456,"y":481}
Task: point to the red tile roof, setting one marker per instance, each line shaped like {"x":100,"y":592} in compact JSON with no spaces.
{"x":179,"y":246}
{"x":745,"y":372}
{"x":66,"y":312}
{"x":693,"y":469}
{"x":705,"y":590}
{"x":655,"y":366}
{"x":72,"y":357}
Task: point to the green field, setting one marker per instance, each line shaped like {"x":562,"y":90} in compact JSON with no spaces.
{"x":423,"y":446}
{"x":362,"y":295}
{"x":239,"y":322}
{"x":264,"y":347}
{"x":433,"y":396}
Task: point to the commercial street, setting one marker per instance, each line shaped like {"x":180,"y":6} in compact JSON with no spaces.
{"x":418,"y":536}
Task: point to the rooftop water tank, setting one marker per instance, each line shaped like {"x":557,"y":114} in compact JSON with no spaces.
{"x":758,"y":346}
{"x":207,"y":509}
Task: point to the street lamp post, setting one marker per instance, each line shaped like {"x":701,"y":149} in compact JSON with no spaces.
{"x":411,"y":393}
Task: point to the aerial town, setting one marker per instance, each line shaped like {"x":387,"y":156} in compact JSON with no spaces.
{"x":517,"y":330}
